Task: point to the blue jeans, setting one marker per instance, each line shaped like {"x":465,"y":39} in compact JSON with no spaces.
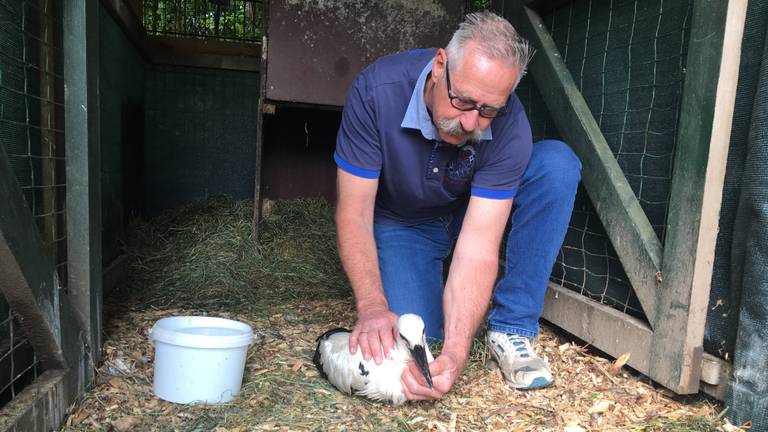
{"x":411,"y":257}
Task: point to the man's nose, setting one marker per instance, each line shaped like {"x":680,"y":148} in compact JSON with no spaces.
{"x":470,"y":120}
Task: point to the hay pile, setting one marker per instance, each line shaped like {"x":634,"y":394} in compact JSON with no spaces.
{"x":203,"y":256}
{"x":200,"y":259}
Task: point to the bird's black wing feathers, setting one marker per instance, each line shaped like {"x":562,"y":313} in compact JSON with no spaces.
{"x":322,"y":337}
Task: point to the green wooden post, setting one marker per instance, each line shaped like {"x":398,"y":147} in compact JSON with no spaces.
{"x":631,"y":233}
{"x":700,"y":158}
{"x":83,"y":164}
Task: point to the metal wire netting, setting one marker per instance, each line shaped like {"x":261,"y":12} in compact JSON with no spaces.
{"x":18,"y":364}
{"x":32,"y":135}
{"x":628,"y":59}
{"x":32,"y":117}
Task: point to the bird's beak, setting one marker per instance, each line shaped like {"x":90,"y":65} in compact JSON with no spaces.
{"x":420,"y":355}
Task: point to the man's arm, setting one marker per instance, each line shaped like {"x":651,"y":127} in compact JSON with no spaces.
{"x":473,"y":272}
{"x":375,"y":324}
{"x":467,"y":293}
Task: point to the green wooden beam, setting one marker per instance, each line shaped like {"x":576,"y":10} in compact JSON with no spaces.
{"x":630,"y":232}
{"x":27,"y":276}
{"x":700,"y":158}
{"x":83,"y":166}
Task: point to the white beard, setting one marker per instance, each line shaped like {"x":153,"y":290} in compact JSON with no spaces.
{"x":453,"y":128}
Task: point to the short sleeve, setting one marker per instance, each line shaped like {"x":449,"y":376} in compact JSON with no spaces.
{"x":505,"y":160}
{"x":358,"y":149}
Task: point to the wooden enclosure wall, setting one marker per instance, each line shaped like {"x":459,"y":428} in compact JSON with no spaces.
{"x":61,"y":318}
{"x":670,"y":280}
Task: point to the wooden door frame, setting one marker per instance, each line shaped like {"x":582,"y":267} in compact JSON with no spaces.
{"x":672,"y":281}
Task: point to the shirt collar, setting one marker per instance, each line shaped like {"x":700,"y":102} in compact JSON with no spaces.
{"x":417,"y":116}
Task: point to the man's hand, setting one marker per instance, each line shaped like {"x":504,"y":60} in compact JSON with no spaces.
{"x":445,"y":371}
{"x":374,"y":332}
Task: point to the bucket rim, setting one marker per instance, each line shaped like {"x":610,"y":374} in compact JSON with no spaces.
{"x":166,"y":330}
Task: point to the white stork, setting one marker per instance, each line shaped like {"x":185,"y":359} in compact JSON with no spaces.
{"x":353,"y":375}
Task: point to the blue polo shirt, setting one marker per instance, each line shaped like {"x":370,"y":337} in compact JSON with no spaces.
{"x":387,"y":133}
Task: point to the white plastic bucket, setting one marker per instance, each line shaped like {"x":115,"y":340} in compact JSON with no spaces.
{"x":199,"y":359}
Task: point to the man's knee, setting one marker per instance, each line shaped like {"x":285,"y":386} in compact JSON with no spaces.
{"x":556,"y":161}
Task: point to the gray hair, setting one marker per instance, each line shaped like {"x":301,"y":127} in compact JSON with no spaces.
{"x":496,"y":40}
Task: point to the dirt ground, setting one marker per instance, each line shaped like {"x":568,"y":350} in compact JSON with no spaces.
{"x":282,"y":390}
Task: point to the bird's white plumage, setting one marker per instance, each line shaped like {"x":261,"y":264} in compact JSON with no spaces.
{"x":353,"y":375}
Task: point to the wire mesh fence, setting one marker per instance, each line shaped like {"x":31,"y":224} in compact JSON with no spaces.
{"x":18,"y":363}
{"x":32,"y":136}
{"x":627,"y":57}
{"x":32,"y":117}
{"x":234,"y":20}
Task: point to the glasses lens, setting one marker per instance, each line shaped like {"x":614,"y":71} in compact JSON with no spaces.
{"x":467,"y":105}
{"x":489,"y":112}
{"x":464,"y":105}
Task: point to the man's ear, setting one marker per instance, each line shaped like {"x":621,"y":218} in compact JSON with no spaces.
{"x":438,"y":65}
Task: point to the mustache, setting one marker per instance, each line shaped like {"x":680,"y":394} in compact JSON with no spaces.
{"x":453,"y":127}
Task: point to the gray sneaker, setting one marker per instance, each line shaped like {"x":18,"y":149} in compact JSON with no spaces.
{"x":522,"y":368}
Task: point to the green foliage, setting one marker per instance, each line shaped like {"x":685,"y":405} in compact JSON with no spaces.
{"x":222,"y":19}
{"x":479,"y":5}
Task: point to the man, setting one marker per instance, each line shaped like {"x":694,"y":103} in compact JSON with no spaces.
{"x":433,"y":149}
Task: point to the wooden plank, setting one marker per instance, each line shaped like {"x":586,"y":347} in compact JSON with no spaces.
{"x":630,"y":232}
{"x":41,"y":406}
{"x":712,"y":369}
{"x":716,"y":374}
{"x":205,"y":53}
{"x":263,"y":106}
{"x":83,"y":165}
{"x":597,"y":324}
{"x":257,"y":178}
{"x":27,"y":276}
{"x":699,"y":171}
{"x":126,"y":15}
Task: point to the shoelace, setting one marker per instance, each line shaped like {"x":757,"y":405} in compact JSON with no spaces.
{"x":521,"y":345}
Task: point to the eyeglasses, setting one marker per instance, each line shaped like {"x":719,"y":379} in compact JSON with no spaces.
{"x":462,"y":103}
